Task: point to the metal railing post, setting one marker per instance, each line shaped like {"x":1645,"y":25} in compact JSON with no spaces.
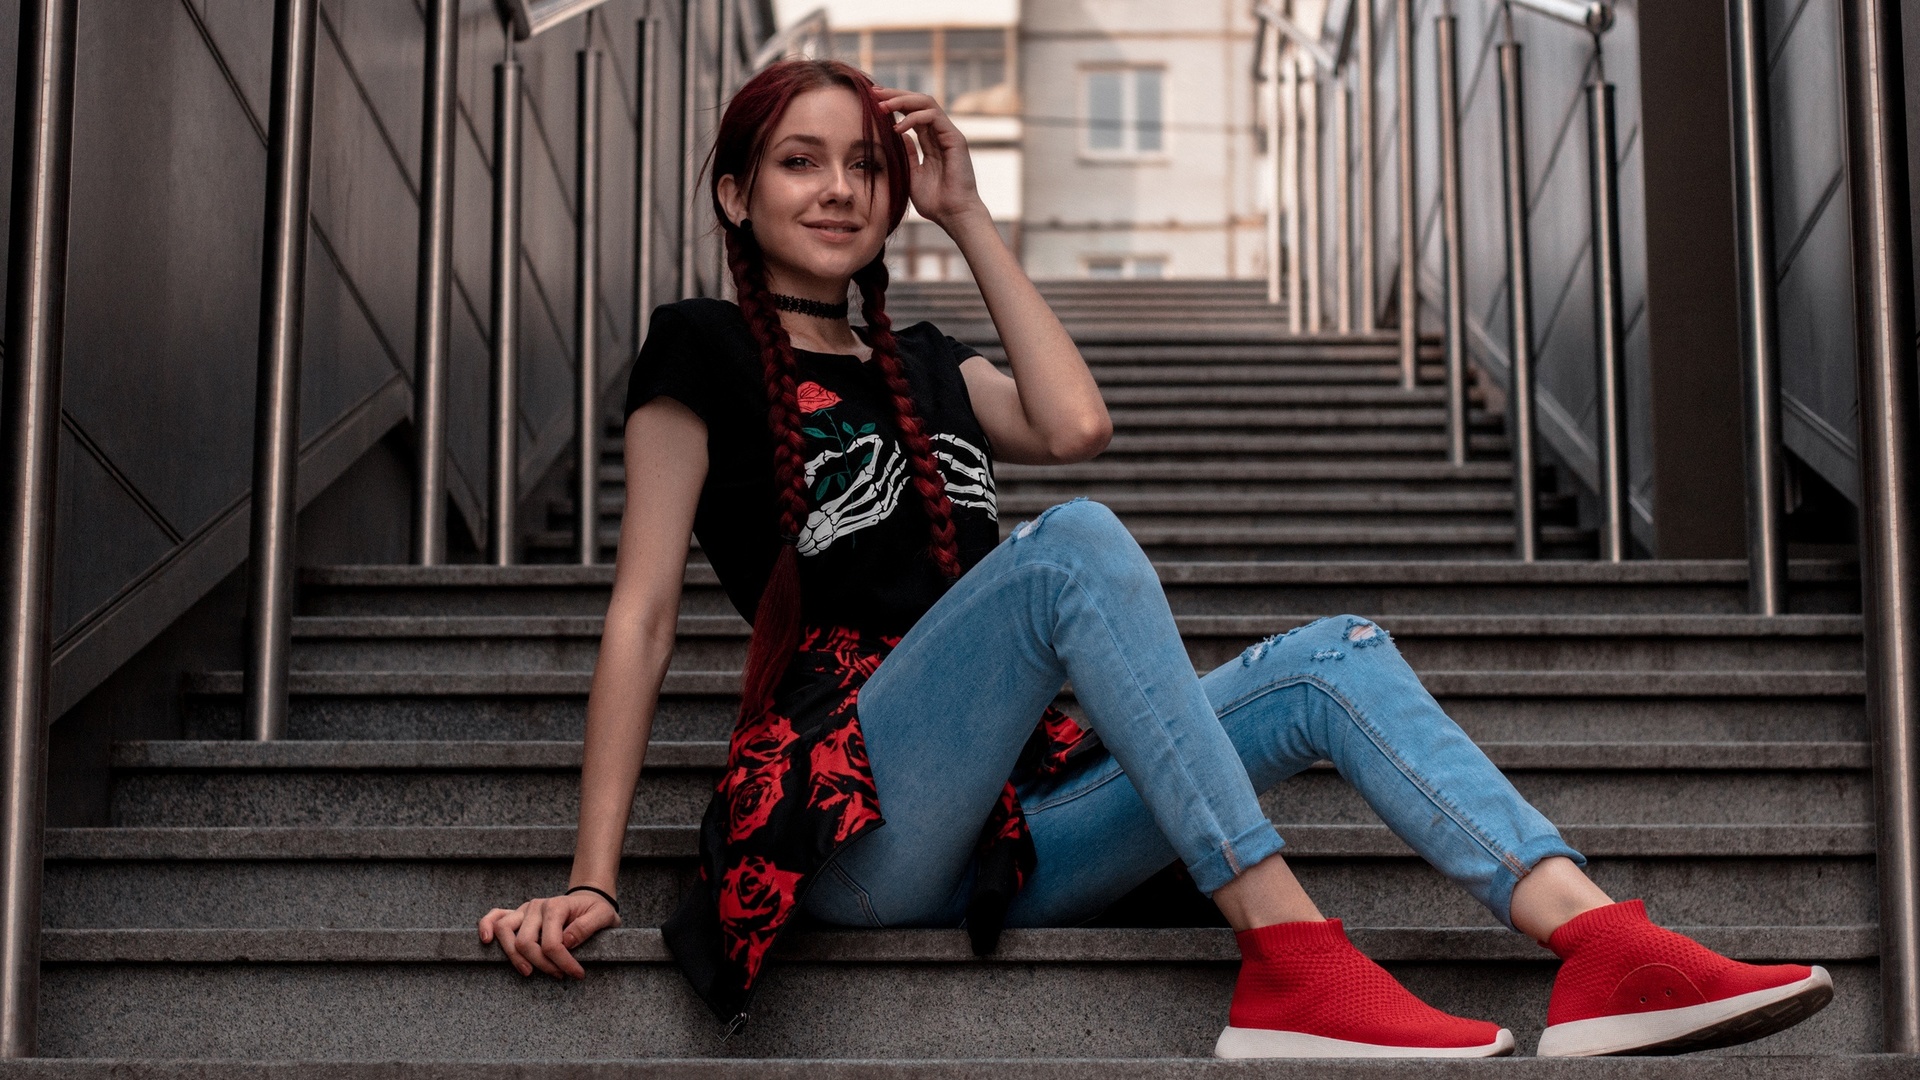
{"x":723,"y":78}
{"x":1455,"y":268}
{"x":1368,"y":194}
{"x":689,"y":133}
{"x":36,"y":322}
{"x":1342,"y":206}
{"x":1307,"y":116}
{"x":434,"y":293}
{"x":276,"y":415}
{"x":1290,"y":185}
{"x":1276,"y":138}
{"x":1608,"y":323}
{"x":586,"y":290}
{"x":1409,"y":213}
{"x":1759,"y":321}
{"x":503,"y":432}
{"x":1513,"y":182}
{"x":1889,"y":529}
{"x":644,"y":194}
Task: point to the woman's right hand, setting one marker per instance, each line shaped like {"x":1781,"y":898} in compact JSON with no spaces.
{"x":542,"y":933}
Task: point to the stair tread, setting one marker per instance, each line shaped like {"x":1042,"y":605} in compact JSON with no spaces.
{"x":1183,"y":945}
{"x":662,"y":754}
{"x":732,"y":625}
{"x":1366,"y":572}
{"x":1692,"y":684}
{"x":677,"y":841}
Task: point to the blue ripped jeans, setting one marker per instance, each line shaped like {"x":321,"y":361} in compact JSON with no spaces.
{"x":1070,"y":596}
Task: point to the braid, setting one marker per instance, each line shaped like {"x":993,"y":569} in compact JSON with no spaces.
{"x":927,"y":480}
{"x":776,"y":620}
{"x":782,"y":373}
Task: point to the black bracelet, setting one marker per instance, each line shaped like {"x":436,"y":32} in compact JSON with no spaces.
{"x":604,"y":895}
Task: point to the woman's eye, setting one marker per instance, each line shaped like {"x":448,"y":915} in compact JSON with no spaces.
{"x":796,"y":162}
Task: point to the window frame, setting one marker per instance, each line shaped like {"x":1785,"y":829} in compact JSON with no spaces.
{"x":1129,"y":151}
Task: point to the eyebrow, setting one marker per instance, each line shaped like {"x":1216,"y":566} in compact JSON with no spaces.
{"x":815,"y":140}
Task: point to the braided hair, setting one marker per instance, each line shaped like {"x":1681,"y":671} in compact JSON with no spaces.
{"x":744,"y":128}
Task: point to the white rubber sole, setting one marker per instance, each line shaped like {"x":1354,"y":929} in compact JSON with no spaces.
{"x":1692,"y":1027}
{"x":1243,"y":1043}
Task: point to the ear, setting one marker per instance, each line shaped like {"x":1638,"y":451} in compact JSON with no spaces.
{"x":731,"y":200}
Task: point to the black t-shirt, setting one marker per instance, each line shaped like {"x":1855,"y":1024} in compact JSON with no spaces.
{"x":863,"y":549}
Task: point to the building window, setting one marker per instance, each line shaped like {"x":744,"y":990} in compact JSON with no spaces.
{"x":903,"y":60}
{"x":1124,"y":109}
{"x":1116,"y":267}
{"x":976,"y":60}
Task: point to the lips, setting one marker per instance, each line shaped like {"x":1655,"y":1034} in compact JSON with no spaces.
{"x":833,"y":231}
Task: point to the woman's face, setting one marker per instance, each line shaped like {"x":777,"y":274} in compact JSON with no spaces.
{"x":820,"y":202}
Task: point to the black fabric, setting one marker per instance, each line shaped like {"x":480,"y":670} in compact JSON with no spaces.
{"x":858,"y":568}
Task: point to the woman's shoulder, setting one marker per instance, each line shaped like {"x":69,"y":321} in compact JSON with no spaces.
{"x":697,"y":315}
{"x":929,"y":342}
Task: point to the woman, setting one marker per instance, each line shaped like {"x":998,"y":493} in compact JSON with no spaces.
{"x":903,"y":660}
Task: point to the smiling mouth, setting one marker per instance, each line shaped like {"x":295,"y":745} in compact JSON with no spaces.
{"x":836,"y":229}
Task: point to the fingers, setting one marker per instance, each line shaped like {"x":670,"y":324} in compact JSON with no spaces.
{"x":903,"y":100}
{"x":526,"y":942}
{"x":501,"y":924}
{"x":553,"y":931}
{"x":597,"y":917}
{"x":918,"y":118}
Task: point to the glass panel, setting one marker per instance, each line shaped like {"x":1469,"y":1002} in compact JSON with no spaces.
{"x":1149,"y":268}
{"x":1104,"y":268}
{"x":1146,"y":110}
{"x":847,"y":47}
{"x":1103,"y":110}
{"x":903,"y":60}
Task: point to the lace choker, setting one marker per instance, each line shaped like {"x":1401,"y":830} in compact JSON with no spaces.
{"x":814,"y":308}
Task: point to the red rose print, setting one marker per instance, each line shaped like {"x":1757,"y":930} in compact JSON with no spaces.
{"x":814,"y":397}
{"x":843,"y":781}
{"x":755,"y":899}
{"x":756,"y":775}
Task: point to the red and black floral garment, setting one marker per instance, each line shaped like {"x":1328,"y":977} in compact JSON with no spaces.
{"x":798,"y":786}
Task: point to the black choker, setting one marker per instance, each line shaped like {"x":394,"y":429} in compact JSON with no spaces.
{"x":810,"y":307}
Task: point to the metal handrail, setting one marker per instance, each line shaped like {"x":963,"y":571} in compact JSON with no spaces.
{"x":811,"y":25}
{"x":1308,"y":43}
{"x":531,"y":18}
{"x":1595,"y":16}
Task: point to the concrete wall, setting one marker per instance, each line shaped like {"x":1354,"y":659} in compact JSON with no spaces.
{"x":1194,"y":204}
{"x":169,"y":175}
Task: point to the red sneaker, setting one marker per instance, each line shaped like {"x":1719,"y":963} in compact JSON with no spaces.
{"x":1305,"y":992}
{"x":1630,"y":987}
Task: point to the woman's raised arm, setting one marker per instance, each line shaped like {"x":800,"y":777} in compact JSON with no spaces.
{"x":666,"y":463}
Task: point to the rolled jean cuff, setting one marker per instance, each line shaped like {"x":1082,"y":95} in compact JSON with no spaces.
{"x":1499,"y":898}
{"x":1226,"y":861}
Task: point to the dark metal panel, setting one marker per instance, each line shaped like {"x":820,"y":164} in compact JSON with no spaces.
{"x":382,"y":43}
{"x":343,"y":359}
{"x":362,"y":201}
{"x":1816,"y":338}
{"x":242,"y":32}
{"x":1811,"y":240}
{"x":168,"y":186}
{"x":104,"y":536}
{"x":9,"y":63}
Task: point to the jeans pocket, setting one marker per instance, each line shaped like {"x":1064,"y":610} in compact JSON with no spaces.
{"x":836,"y":898}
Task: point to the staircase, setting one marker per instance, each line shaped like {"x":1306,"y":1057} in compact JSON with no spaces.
{"x":313,"y":900}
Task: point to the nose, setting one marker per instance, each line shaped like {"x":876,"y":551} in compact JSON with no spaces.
{"x":839,"y":187}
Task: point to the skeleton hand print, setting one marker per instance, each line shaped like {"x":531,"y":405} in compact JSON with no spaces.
{"x":969,"y":477}
{"x":871,"y":495}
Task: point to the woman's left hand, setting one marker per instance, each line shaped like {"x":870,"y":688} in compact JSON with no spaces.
{"x":941,"y":183}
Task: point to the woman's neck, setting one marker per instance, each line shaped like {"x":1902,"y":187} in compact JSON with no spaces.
{"x":823,"y":335}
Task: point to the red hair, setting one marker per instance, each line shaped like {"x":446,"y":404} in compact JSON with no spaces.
{"x":738,"y":146}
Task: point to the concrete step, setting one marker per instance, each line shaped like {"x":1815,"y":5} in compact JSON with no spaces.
{"x":432,"y":993}
{"x":407,"y":877}
{"x":1695,"y":1067}
{"x":1221,"y":508}
{"x":1439,"y":642}
{"x":1511,"y":706}
{"x":385,"y":782}
{"x":1391,"y":540}
{"x":1371,"y":588}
